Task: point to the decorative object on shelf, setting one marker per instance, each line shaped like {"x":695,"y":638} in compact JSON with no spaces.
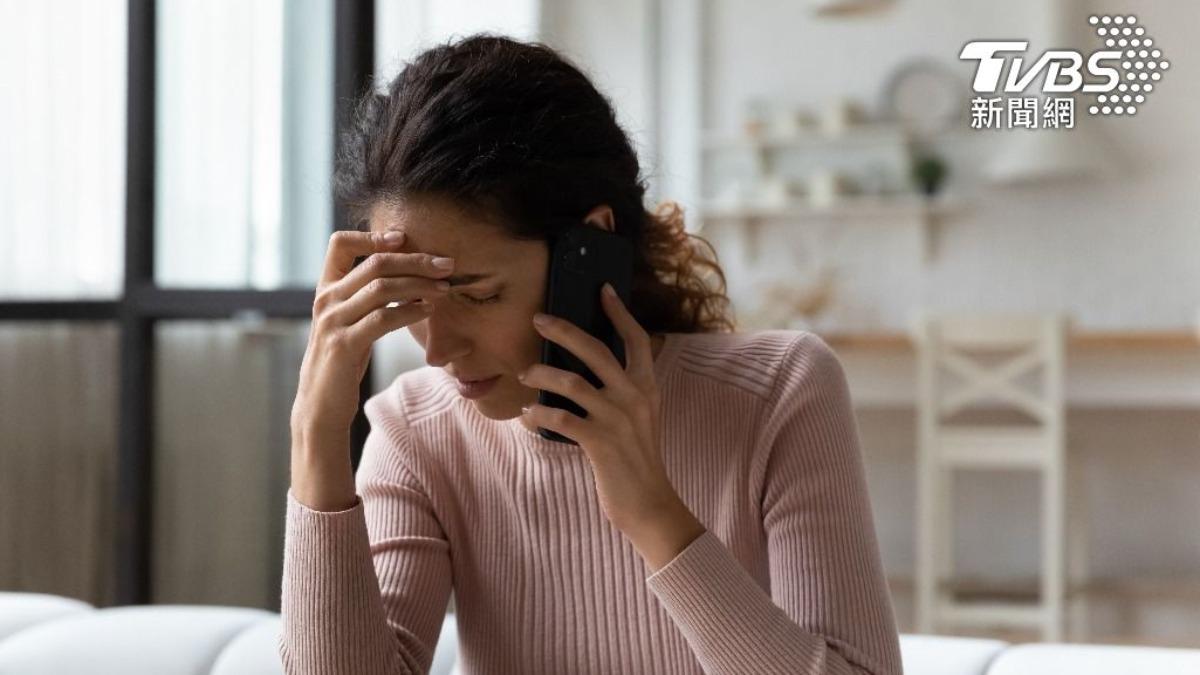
{"x":924,"y":97}
{"x":845,"y":8}
{"x":928,"y":172}
{"x":754,"y":117}
{"x":791,"y":304}
{"x":825,"y":187}
{"x":839,"y":114}
{"x":791,"y":122}
{"x":773,"y":192}
{"x":846,"y":168}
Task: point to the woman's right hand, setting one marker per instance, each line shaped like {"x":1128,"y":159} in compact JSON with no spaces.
{"x":350,"y":313}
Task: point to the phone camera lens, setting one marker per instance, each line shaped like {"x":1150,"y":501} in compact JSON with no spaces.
{"x":582,"y":250}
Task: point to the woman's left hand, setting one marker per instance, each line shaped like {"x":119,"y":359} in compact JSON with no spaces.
{"x":620,"y":433}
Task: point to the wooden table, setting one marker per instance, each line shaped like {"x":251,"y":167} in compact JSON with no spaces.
{"x":1151,"y":340}
{"x":1150,"y":369}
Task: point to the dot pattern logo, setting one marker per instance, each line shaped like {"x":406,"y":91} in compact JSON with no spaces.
{"x":1141,"y":68}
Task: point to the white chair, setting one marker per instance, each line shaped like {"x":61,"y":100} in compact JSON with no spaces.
{"x":952,"y":342}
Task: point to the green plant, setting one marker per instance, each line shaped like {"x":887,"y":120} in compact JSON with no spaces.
{"x":928,"y":171}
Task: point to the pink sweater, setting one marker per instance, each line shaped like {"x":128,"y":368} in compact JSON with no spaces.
{"x":760,"y":441}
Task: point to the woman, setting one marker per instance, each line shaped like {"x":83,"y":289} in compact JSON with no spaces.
{"x":713,"y":516}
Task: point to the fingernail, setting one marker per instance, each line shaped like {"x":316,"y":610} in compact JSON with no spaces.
{"x":443,"y":263}
{"x":526,"y":408}
{"x":608,"y":290}
{"x":541,"y":320}
{"x":393,"y":236}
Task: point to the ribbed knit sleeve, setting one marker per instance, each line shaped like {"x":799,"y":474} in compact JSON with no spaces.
{"x":335,"y":618}
{"x":829,"y":609}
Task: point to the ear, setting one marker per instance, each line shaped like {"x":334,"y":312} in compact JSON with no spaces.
{"x":601,"y":216}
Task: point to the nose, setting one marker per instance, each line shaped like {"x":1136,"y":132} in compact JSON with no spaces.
{"x":443,"y":341}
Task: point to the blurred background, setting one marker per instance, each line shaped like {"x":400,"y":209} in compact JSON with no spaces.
{"x":165,"y":208}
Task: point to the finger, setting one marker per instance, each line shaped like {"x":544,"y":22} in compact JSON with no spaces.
{"x":562,"y":421}
{"x":572,"y":386}
{"x":586,"y":347}
{"x":389,"y":264}
{"x":382,"y":291}
{"x":382,"y":321}
{"x":639,"y":355}
{"x":346,"y":245}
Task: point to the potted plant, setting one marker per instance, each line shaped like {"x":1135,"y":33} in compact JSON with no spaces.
{"x":928,"y":171}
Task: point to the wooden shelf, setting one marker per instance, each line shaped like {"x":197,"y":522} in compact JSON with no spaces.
{"x":912,"y":209}
{"x":907,"y":205}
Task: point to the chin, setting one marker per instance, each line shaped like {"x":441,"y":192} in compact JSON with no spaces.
{"x":490,"y":411}
{"x":503,"y":405}
{"x":496,"y":410}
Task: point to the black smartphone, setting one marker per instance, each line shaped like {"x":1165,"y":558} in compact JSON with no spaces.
{"x":582,"y":258}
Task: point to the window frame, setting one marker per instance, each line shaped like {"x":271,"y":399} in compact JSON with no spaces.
{"x":142,"y":304}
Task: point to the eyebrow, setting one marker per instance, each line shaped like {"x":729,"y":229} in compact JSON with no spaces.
{"x":464,"y":279}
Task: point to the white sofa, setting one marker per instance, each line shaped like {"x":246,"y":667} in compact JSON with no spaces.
{"x":46,"y":634}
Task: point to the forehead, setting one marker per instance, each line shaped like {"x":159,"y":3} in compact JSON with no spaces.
{"x":439,"y":227}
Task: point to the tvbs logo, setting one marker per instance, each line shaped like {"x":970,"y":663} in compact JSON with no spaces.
{"x":1121,"y":73}
{"x":1057,"y":63}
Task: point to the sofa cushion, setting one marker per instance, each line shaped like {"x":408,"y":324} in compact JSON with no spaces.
{"x":1068,"y":659}
{"x":255,"y":651}
{"x":22,"y":610}
{"x":946,"y":655}
{"x":132,"y":640}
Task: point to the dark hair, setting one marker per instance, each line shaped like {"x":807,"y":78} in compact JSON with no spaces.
{"x":516,"y":133}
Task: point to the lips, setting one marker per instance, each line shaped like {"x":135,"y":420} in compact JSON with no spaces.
{"x":476,"y":388}
{"x":468,"y":380}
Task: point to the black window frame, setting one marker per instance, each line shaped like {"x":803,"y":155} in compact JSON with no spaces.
{"x":142,"y":303}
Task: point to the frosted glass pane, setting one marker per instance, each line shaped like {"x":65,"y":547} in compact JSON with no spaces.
{"x":221,"y":458}
{"x":245,"y":142}
{"x":58,"y":458}
{"x":62,"y":153}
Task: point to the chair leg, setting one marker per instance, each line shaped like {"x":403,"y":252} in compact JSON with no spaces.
{"x":1078,"y":536}
{"x":1052,"y":551}
{"x":944,"y":534}
{"x":926,"y":557}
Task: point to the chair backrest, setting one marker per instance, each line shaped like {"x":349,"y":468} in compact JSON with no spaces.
{"x":953,"y":341}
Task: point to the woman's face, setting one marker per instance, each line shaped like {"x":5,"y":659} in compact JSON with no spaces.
{"x":483,"y":326}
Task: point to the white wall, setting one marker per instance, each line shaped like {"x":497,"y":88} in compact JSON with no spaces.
{"x":613,"y":43}
{"x":1117,"y":254}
